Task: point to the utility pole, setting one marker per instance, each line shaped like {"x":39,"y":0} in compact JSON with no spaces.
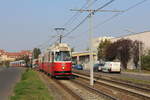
{"x":60,"y":39}
{"x":59,"y":32}
{"x":90,"y":17}
{"x":140,"y":55}
{"x":91,"y":43}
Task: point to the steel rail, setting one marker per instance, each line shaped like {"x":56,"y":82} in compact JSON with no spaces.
{"x":103,"y":94}
{"x":75,"y":95}
{"x":115,"y":81}
{"x":125,"y":89}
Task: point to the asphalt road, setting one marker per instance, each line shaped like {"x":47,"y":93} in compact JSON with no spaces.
{"x":1,"y":68}
{"x":8,"y":78}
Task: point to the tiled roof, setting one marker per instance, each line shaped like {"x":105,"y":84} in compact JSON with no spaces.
{"x":15,"y":54}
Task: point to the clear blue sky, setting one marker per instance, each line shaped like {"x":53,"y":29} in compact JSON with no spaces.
{"x":24,"y":24}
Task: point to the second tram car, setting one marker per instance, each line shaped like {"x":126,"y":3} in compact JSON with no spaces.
{"x":56,"y":61}
{"x":19,"y":63}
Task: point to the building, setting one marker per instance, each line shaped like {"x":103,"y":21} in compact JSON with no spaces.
{"x":83,"y":58}
{"x":144,"y":37}
{"x":11,"y":56}
{"x":2,"y":52}
{"x":96,"y":41}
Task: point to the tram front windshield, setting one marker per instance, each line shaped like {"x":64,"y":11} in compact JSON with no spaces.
{"x":62,"y":56}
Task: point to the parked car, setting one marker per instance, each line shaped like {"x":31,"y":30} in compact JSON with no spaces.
{"x":98,"y":67}
{"x":78,"y":67}
{"x":112,"y":67}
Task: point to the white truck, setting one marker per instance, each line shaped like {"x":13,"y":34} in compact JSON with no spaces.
{"x":111,"y":67}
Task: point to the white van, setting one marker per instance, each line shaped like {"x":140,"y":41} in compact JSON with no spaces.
{"x":112,"y":67}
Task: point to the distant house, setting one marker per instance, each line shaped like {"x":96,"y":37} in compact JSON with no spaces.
{"x":11,"y":56}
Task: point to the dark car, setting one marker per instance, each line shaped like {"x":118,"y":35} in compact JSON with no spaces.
{"x":78,"y":67}
{"x":98,"y":67}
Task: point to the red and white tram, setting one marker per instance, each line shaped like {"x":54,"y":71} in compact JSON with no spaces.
{"x":56,"y":60}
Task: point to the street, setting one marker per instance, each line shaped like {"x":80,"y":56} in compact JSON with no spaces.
{"x":8,"y":78}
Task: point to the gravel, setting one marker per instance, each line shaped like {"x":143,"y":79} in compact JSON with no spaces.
{"x":84,"y":93}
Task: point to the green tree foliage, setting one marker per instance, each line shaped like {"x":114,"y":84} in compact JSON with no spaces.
{"x":146,"y":61}
{"x":36,"y":53}
{"x":102,"y":48}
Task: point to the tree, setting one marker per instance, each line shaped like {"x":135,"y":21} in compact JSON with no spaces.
{"x":146,"y":61}
{"x":124,"y":48}
{"x":36,"y":53}
{"x":101,"y":49}
{"x":135,"y":52}
{"x":72,"y":49}
{"x":111,"y":52}
{"x":121,"y":49}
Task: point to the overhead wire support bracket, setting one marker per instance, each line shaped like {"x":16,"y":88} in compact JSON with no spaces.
{"x":94,"y":11}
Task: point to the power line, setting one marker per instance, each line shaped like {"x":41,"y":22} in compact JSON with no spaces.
{"x":112,"y":17}
{"x":71,"y":20}
{"x":105,"y":5}
{"x":74,"y":17}
{"x":87,"y":18}
{"x":90,"y":16}
{"x":76,"y":26}
{"x":76,"y":14}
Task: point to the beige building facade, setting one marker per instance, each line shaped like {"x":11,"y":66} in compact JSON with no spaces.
{"x":96,"y":42}
{"x":144,"y":37}
{"x":83,"y":58}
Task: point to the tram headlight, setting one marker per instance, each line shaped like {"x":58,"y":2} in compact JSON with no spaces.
{"x":63,"y":67}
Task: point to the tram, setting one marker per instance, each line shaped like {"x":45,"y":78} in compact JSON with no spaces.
{"x":56,"y":61}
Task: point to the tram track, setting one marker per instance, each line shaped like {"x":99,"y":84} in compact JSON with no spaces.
{"x":78,"y":90}
{"x":132,"y":90}
{"x":86,"y":92}
{"x":140,"y":87}
{"x":104,"y":95}
{"x":75,"y":95}
{"x":56,"y":86}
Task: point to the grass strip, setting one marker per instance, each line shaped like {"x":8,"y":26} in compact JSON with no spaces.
{"x":137,"y":71}
{"x":146,"y":82}
{"x":31,"y":88}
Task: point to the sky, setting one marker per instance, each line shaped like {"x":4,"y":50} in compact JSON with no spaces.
{"x":26,"y":24}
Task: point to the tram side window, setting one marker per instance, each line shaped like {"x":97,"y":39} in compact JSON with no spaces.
{"x":52,"y":57}
{"x":42,"y":59}
{"x":49,"y":56}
